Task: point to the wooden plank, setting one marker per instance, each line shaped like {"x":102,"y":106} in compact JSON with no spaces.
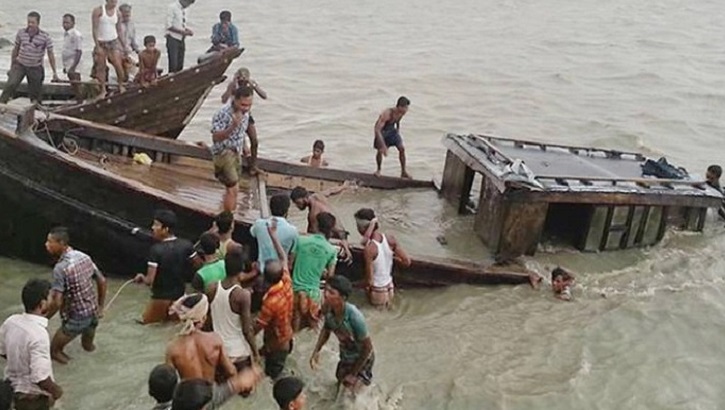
{"x":642,"y":181}
{"x":618,"y":198}
{"x":520,"y":143}
{"x":262,"y":195}
{"x":51,"y":91}
{"x":522,"y":229}
{"x":456,"y":182}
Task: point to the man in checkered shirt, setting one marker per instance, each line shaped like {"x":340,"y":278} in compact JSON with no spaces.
{"x":228,"y":129}
{"x":72,"y":290}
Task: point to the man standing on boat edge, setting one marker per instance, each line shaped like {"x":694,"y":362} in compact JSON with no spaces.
{"x":387,"y":134}
{"x":229,"y":126}
{"x":176,"y":33}
{"x":27,"y":60}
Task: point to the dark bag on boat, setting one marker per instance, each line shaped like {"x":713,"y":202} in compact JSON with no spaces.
{"x":662,"y":169}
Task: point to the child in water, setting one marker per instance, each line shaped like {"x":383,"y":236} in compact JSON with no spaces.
{"x":561,"y":282}
{"x":148,"y":60}
{"x":712,"y":177}
{"x":316,"y":160}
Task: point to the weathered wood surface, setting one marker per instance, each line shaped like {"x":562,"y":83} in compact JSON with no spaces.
{"x":286,"y":175}
{"x":164,"y":108}
{"x":457,"y":182}
{"x":51,"y":91}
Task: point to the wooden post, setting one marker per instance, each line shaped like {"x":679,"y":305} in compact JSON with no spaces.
{"x":457,"y":181}
{"x":26,"y":119}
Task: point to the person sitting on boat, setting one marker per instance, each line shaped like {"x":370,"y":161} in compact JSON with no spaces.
{"x":224,"y":34}
{"x":380,"y":252}
{"x":315,"y":204}
{"x":72,"y":52}
{"x":387,"y":134}
{"x":316,"y":160}
{"x":148,"y":61}
{"x":242,"y":78}
{"x":108,"y":44}
{"x":712,"y":177}
{"x":355,"y":367}
{"x":561,"y":282}
{"x":312,"y":258}
{"x":26,"y":60}
{"x":228,"y":127}
{"x":169,"y":267}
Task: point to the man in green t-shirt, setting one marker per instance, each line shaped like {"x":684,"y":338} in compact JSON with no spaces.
{"x":213,"y":269}
{"x":342,"y":318}
{"x":312,"y":257}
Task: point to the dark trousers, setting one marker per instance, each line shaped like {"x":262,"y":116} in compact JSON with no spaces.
{"x":175,"y":49}
{"x":35,"y":77}
{"x":31,"y":402}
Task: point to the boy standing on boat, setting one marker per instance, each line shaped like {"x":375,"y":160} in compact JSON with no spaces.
{"x":169,"y":267}
{"x":72,"y":52}
{"x":73,"y":294}
{"x":342,"y":318}
{"x":387,"y":134}
{"x":31,"y":43}
{"x":228,"y":129}
{"x":381,"y":251}
{"x":109,"y":43}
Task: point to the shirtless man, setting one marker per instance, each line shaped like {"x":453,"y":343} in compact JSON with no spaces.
{"x":109,"y":43}
{"x":561,"y":282}
{"x":317,"y":203}
{"x":193,"y":353}
{"x":316,"y":160}
{"x":387,"y":134}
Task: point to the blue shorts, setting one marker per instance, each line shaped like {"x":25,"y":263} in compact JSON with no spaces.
{"x":391,"y":137}
{"x":73,"y":327}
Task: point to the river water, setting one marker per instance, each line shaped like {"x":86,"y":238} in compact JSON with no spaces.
{"x":646,"y":329}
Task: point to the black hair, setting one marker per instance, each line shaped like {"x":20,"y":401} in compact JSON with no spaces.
{"x":34,"y":292}
{"x":272,"y":276}
{"x":34,"y":14}
{"x":319,"y":144}
{"x":192,"y":394}
{"x":234,"y":261}
{"x":208,"y":243}
{"x":60,"y":234}
{"x":286,"y":390}
{"x":403,"y":102}
{"x":224,"y":222}
{"x":6,"y":395}
{"x":558,"y":271}
{"x":715,"y":170}
{"x":167,"y":218}
{"x":148,"y":40}
{"x":192,"y":300}
{"x":225,"y":15}
{"x":279,"y":205}
{"x":326,"y":223}
{"x":162,"y":382}
{"x":242,"y":92}
{"x":71,"y":17}
{"x":341,"y":284}
{"x":366,"y":214}
{"x":298,"y":193}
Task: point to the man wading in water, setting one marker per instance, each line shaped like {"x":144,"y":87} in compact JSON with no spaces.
{"x":387,"y":134}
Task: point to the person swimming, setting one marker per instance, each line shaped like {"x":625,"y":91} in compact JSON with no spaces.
{"x":561,"y":282}
{"x":316,"y":160}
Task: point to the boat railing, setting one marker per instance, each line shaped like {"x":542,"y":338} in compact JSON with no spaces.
{"x":642,"y":182}
{"x":521,"y":143}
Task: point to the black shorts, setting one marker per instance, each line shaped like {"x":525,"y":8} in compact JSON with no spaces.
{"x":365,"y":375}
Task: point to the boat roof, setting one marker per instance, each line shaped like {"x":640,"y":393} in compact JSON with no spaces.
{"x":557,"y":168}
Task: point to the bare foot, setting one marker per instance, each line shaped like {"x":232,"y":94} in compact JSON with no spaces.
{"x":405,"y":175}
{"x":60,"y":357}
{"x":121,"y":88}
{"x":88,"y":348}
{"x":377,"y":173}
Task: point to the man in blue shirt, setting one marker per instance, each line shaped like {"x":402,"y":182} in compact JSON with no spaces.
{"x":286,"y":232}
{"x":224,"y":34}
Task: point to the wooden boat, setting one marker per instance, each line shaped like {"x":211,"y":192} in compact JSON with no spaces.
{"x":107,"y":200}
{"x":163,"y":109}
{"x":280,"y":174}
{"x":594,"y":199}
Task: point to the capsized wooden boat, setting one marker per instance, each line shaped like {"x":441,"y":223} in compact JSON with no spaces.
{"x":594,"y":199}
{"x":280,"y":174}
{"x":108,"y":201}
{"x":162,"y":109}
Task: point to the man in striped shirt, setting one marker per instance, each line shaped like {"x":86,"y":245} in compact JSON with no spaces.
{"x":31,"y":43}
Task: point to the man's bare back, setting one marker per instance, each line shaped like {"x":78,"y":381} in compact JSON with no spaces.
{"x":198,"y":356}
{"x":318,"y":205}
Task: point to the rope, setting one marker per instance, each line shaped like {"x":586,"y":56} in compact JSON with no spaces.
{"x":118,"y":292}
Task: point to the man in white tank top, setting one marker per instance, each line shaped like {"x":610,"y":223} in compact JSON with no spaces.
{"x":108,"y":44}
{"x":230,"y":308}
{"x":381,"y":251}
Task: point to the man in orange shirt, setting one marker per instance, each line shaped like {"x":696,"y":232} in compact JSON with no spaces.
{"x":276,"y":314}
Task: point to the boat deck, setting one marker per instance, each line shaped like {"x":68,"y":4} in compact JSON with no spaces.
{"x":191,"y":184}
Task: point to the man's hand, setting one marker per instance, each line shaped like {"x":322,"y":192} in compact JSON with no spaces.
{"x":350,"y":380}
{"x":188,"y":32}
{"x":237,"y":118}
{"x":55,"y":78}
{"x":140,"y":278}
{"x":383,"y":150}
